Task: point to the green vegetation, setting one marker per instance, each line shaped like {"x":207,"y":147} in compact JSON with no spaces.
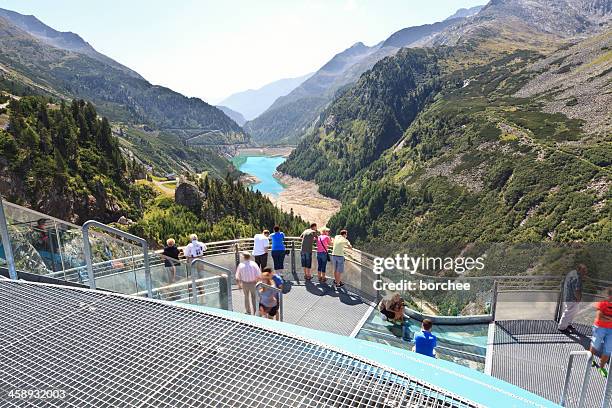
{"x":417,"y":153}
{"x":229,"y":210}
{"x":166,"y":153}
{"x":180,"y":133}
{"x":354,"y":133}
{"x":63,"y":160}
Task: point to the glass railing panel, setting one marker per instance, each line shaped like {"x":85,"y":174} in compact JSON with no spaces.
{"x":70,"y":244}
{"x":212,"y":285}
{"x":33,"y":240}
{"x":226,"y":260}
{"x":51,"y":247}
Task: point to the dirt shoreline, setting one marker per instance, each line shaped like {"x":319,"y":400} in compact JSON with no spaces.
{"x":265,"y":151}
{"x":304,"y":198}
{"x":249,"y":179}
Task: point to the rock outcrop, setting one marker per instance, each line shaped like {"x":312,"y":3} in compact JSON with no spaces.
{"x":188,"y":195}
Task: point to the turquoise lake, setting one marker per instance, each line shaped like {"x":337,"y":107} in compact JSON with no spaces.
{"x":263,"y":167}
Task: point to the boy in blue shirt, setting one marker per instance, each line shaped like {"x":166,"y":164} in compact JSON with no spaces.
{"x":424,"y":341}
{"x":278,"y":249}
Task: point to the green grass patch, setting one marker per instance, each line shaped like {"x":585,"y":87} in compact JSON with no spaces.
{"x":546,"y":126}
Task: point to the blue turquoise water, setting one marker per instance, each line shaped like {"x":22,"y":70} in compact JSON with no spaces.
{"x":263,"y":167}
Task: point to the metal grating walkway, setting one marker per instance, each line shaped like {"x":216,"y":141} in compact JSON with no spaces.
{"x":531,"y":353}
{"x":318,"y":307}
{"x":108,"y":350}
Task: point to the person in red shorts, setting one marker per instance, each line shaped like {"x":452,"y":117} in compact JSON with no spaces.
{"x":601,"y":342}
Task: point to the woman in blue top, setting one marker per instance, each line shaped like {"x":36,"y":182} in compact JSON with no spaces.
{"x":278,"y":249}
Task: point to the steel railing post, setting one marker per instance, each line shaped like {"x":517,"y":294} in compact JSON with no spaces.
{"x":567,"y":380}
{"x":280,"y":306}
{"x":230,"y":305}
{"x":224,"y":293}
{"x":194,"y":289}
{"x":6,"y":243}
{"x":226,"y":275}
{"x":148,"y":278}
{"x":237,"y":255}
{"x":88,"y":258}
{"x":585,"y":378}
{"x":494,"y":301}
{"x":293,"y":268}
{"x":607,"y":399}
{"x":60,"y":249}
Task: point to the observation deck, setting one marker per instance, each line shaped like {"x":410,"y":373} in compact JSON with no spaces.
{"x":101,"y":319}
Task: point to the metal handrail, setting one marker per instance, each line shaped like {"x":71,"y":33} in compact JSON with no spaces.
{"x":230,"y":244}
{"x":226,"y":276}
{"x":280,"y":297}
{"x":179,"y":285}
{"x":585,"y":378}
{"x":104,"y":227}
{"x":40,"y":215}
{"x":607,"y":399}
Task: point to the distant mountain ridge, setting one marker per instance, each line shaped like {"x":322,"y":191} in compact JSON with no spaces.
{"x":466,"y":12}
{"x":253,"y":102}
{"x":64,"y":40}
{"x":235,"y":116}
{"x":539,"y":21}
{"x":291,"y":115}
{"x":44,"y":61}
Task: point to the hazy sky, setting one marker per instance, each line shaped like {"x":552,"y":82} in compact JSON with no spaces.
{"x":211,"y":49}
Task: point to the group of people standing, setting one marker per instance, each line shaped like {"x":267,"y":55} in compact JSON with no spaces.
{"x":171,"y":253}
{"x":312,"y":240}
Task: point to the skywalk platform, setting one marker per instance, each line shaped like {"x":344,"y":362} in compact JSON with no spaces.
{"x":86,"y":348}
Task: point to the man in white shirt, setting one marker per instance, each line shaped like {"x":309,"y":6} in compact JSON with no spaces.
{"x":194,"y":250}
{"x":247,"y":275}
{"x":261,"y":242}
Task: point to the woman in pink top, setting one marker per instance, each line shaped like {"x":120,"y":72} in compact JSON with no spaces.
{"x":324,"y":241}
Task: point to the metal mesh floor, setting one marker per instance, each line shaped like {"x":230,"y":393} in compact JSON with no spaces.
{"x":529,"y":353}
{"x":318,"y":307}
{"x":106,"y":350}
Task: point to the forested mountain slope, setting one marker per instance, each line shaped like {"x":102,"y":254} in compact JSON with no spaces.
{"x":291,"y":116}
{"x":436,"y":145}
{"x":163,"y":129}
{"x":62,"y":160}
{"x":226,"y":210}
{"x":121,"y":97}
